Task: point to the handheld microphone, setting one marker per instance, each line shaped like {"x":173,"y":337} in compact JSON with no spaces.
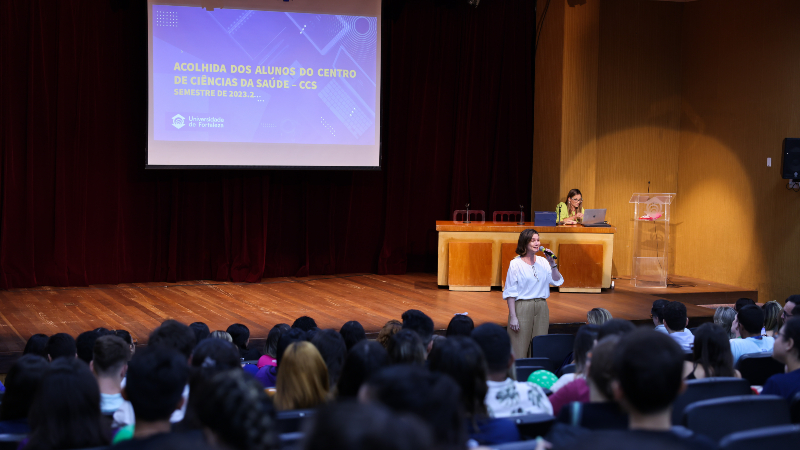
{"x":548,"y":253}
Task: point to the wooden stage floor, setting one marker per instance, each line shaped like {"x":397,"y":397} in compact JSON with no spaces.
{"x":330,"y":300}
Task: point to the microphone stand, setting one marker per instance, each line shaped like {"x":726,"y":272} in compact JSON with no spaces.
{"x":521,"y":216}
{"x":467,"y":218}
{"x":559,"y":214}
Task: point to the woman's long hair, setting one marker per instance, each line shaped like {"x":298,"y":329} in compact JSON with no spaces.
{"x":772,"y":316}
{"x":571,"y":209}
{"x":723,"y":317}
{"x":302,"y":379}
{"x":712,"y":351}
{"x":22,"y":383}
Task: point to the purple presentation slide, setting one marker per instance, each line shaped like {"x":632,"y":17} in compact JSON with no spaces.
{"x":232,"y":75}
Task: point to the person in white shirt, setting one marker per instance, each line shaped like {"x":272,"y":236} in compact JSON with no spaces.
{"x":506,"y":397}
{"x":527,"y":288}
{"x":657,"y":314}
{"x":749,"y":322}
{"x":675,"y":321}
{"x":109,"y":364}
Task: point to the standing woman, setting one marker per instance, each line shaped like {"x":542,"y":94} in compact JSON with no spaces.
{"x":571,"y":211}
{"x":527,"y":288}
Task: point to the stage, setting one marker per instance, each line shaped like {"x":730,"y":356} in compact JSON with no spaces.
{"x":330,"y":300}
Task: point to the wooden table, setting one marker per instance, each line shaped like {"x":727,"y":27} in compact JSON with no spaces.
{"x":475,"y":256}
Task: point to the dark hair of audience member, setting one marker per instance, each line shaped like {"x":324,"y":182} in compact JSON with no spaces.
{"x":419,"y":322}
{"x":353,"y":333}
{"x":658,"y":309}
{"x":61,"y":345}
{"x":585,"y":339}
{"x":460,"y":325}
{"x":742,"y":302}
{"x":271,"y":345}
{"x":126,"y":336}
{"x":406,"y":347}
{"x":352,"y":426}
{"x":22,"y":383}
{"x":389,"y":329}
{"x":431,"y":396}
{"x":751,"y":318}
{"x":217,"y":354}
{"x":615,"y":326}
{"x":311,"y":333}
{"x":66,"y":409}
{"x":649,"y":367}
{"x":791,"y":330}
{"x":364,"y":359}
{"x":85,"y":343}
{"x":601,"y":371}
{"x":235,"y":409}
{"x":156,"y":379}
{"x":302,"y":379}
{"x":496,"y":346}
{"x":462,"y":359}
{"x":201,"y":331}
{"x":36,"y":345}
{"x":333,"y":350}
{"x":772,"y":316}
{"x":304,"y":323}
{"x":287,"y":339}
{"x":173,"y":335}
{"x":240,"y":335}
{"x":712,"y":351}
{"x":675,"y":316}
{"x":110,"y":354}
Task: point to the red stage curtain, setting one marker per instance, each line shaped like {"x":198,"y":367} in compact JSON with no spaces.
{"x":77,"y":206}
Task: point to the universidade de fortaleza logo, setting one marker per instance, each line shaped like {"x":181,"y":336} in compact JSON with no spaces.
{"x":177,"y":121}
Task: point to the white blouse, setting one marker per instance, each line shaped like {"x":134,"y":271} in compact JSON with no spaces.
{"x":525,"y":282}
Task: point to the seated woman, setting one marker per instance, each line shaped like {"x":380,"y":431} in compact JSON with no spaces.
{"x":571,"y":211}
{"x":724,"y":316}
{"x":302,"y":378}
{"x":22,"y":383}
{"x":772,"y":318}
{"x":712,"y":354}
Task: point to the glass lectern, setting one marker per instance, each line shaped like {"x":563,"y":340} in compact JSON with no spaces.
{"x":650,"y":261}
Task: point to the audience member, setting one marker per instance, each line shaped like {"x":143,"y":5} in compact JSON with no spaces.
{"x":126,"y":336}
{"x":241,"y":338}
{"x":364,"y":359}
{"x":173,"y":335}
{"x":506,"y":397}
{"x":430,"y":396}
{"x":332,"y":348}
{"x":615,"y":327}
{"x":110,"y":364}
{"x":66,"y":410}
{"x":585,"y":339}
{"x":201,"y":331}
{"x":462,"y":359}
{"x":789,"y":307}
{"x":657,"y":314}
{"x":304,"y":323}
{"x":711,"y":353}
{"x":270,"y":350}
{"x":772,"y":318}
{"x":224,"y":335}
{"x":602,"y":412}
{"x":350,"y":426}
{"x":22,"y":383}
{"x":85,"y":342}
{"x":268,"y":374}
{"x":787,"y":351}
{"x":236,"y":413}
{"x":676,"y":320}
{"x":311,"y":333}
{"x":460,"y":325}
{"x":217,"y":354}
{"x":389,"y":329}
{"x":353,"y":333}
{"x":36,"y":345}
{"x":420,"y":323}
{"x":742,"y":302}
{"x":750,"y":320}
{"x":155,"y":386}
{"x":406,"y":347}
{"x":302,"y":378}
{"x":598,"y":316}
{"x":61,"y":345}
{"x":724,"y":317}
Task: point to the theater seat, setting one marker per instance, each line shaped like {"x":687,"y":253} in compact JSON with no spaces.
{"x":758,"y":367}
{"x":524,"y":372}
{"x":707,"y":389}
{"x":794,"y":408}
{"x":11,"y":441}
{"x":782,"y":436}
{"x":569,"y":368}
{"x":292,"y":421}
{"x":532,"y":425}
{"x":720,"y":417}
{"x":541,"y":362}
{"x":521,"y":445}
{"x":554,"y":347}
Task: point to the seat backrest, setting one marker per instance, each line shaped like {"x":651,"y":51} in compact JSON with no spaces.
{"x":521,"y":445}
{"x":794,"y":408}
{"x":720,"y":417}
{"x":524,"y":372}
{"x":473,"y":215}
{"x":11,"y":441}
{"x":508,"y":216}
{"x":555,"y":347}
{"x":781,"y":436}
{"x":292,"y":421}
{"x":569,"y":368}
{"x":532,"y":425}
{"x":540,"y":361}
{"x":758,"y":367}
{"x":707,"y":389}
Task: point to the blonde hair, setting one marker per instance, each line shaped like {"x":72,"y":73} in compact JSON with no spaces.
{"x":224,"y":335}
{"x":723,"y":317}
{"x":598,"y":316}
{"x":302,"y":378}
{"x":772,"y":316}
{"x":390,"y":329}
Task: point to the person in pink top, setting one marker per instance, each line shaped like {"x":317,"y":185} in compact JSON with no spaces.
{"x":271,"y":346}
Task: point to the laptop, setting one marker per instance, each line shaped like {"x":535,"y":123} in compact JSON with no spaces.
{"x":594,"y":218}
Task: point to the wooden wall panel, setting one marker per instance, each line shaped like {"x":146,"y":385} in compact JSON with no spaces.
{"x":741,"y":97}
{"x":470,"y":265}
{"x":581,"y":265}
